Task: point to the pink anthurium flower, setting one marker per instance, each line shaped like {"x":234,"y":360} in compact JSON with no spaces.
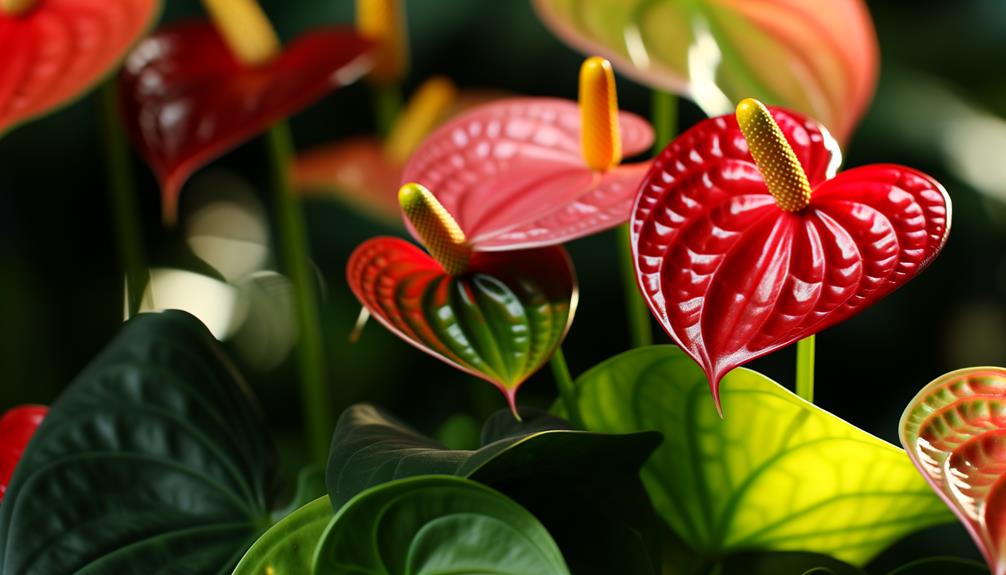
{"x":366,"y":171}
{"x":53,"y":51}
{"x":745,"y":239}
{"x":193,"y":91}
{"x":531,"y":172}
{"x":955,"y":432}
{"x":818,"y":58}
{"x":17,"y":426}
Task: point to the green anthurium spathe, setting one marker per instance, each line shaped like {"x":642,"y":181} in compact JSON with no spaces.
{"x":289,"y":546}
{"x":819,"y":58}
{"x":778,"y":474}
{"x":436,"y":524}
{"x":567,"y":478}
{"x":155,"y":459}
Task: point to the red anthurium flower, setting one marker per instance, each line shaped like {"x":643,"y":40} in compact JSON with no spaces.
{"x":54,"y":50}
{"x":188,"y":97}
{"x":533,"y":172}
{"x":738,"y":256}
{"x":498,"y":316}
{"x":16,"y":428}
{"x":955,"y":432}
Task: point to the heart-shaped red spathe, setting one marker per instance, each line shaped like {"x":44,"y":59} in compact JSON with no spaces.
{"x":17,"y":426}
{"x":731,"y":277}
{"x":512,"y":174}
{"x":186,"y":98}
{"x":500,"y":321}
{"x":54,"y":52}
{"x":954,"y":430}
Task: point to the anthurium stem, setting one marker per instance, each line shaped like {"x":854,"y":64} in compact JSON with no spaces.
{"x":664,"y":114}
{"x":567,"y":389}
{"x":805,"y":368}
{"x":315,"y":396}
{"x":122,"y":195}
{"x":387,"y":106}
{"x":640,"y":330}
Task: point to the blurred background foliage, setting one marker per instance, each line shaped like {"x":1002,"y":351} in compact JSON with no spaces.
{"x":940,"y":107}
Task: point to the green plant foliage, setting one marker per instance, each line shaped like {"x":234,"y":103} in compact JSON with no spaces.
{"x":777,"y":474}
{"x":568,"y":479}
{"x":942,"y":566}
{"x":436,"y":525}
{"x":155,"y":459}
{"x":289,"y":546}
{"x":786,"y":563}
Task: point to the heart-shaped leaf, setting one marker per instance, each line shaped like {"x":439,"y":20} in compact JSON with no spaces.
{"x":371,"y":447}
{"x":512,"y":174}
{"x":732,"y":277}
{"x":780,"y":474}
{"x":289,"y":545}
{"x":566,"y":478}
{"x":955,"y":432}
{"x":500,"y":321}
{"x":17,"y":426}
{"x":187,"y":99}
{"x":153,"y":460}
{"x":941,"y":566}
{"x":54,"y":52}
{"x":436,"y":524}
{"x":816,"y":57}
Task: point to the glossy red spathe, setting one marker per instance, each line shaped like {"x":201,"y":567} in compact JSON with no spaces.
{"x":186,"y":98}
{"x":54,"y":52}
{"x":17,"y":426}
{"x":513,"y":176}
{"x":500,"y":320}
{"x":732,"y":277}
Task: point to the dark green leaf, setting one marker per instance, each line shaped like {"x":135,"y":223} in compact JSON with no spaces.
{"x":154,"y":460}
{"x":436,"y":526}
{"x":460,"y":431}
{"x":786,"y":563}
{"x":942,"y":566}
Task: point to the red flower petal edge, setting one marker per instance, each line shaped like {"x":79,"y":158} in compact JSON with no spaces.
{"x":499,"y":321}
{"x":955,"y":432}
{"x":186,"y":99}
{"x":512,"y":174}
{"x":56,"y":51}
{"x":731,"y":277}
{"x":17,"y":426}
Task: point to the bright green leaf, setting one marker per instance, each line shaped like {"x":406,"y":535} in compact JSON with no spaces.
{"x":777,"y":474}
{"x":289,"y":546}
{"x":155,"y":459}
{"x":436,"y":525}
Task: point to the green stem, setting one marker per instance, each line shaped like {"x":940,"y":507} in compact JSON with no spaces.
{"x":122,"y":196}
{"x":567,"y":390}
{"x":805,"y":368}
{"x":664,"y":114}
{"x":387,"y":105}
{"x":635,"y":308}
{"x":315,"y":397}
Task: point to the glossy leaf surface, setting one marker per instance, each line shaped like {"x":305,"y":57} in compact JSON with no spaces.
{"x":371,"y":447}
{"x":731,"y":277}
{"x":512,"y":175}
{"x":779,"y":474}
{"x":153,"y":460}
{"x":436,"y":524}
{"x":54,"y":52}
{"x":819,"y":58}
{"x":187,"y":100}
{"x":289,"y":545}
{"x":955,"y":432}
{"x":500,"y":321}
{"x":17,"y":426}
{"x":567,"y":478}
